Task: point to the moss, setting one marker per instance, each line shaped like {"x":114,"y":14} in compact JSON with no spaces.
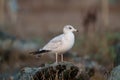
{"x":60,"y":71}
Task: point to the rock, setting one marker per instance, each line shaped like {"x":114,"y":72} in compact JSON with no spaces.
{"x":10,"y":42}
{"x":4,"y":36}
{"x":24,"y":46}
{"x":117,"y":52}
{"x":115,"y":74}
{"x":60,"y":71}
{"x":26,"y":73}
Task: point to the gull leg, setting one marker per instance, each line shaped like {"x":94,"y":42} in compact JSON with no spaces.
{"x":61,"y":57}
{"x":56,"y":58}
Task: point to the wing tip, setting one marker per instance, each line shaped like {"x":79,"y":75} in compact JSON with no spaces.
{"x":39,"y":52}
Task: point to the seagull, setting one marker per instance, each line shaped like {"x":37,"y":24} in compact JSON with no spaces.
{"x":59,"y":44}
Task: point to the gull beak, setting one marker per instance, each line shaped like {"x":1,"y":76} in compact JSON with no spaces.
{"x":75,"y":30}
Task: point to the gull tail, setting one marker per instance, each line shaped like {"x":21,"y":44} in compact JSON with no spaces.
{"x":39,"y":52}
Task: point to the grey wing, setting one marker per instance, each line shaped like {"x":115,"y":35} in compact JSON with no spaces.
{"x":54,"y":43}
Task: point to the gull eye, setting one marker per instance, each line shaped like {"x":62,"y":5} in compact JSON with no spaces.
{"x":70,"y":28}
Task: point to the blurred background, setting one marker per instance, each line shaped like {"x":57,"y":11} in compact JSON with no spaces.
{"x":27,"y":25}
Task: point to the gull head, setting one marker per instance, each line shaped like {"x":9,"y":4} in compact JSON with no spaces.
{"x":69,"y":28}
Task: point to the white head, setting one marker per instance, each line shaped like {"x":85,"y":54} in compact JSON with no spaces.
{"x":69,"y":28}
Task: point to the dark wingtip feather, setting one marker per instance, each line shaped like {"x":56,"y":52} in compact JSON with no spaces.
{"x":39,"y":52}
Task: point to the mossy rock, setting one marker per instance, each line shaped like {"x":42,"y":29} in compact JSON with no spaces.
{"x":60,"y":71}
{"x":115,"y":74}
